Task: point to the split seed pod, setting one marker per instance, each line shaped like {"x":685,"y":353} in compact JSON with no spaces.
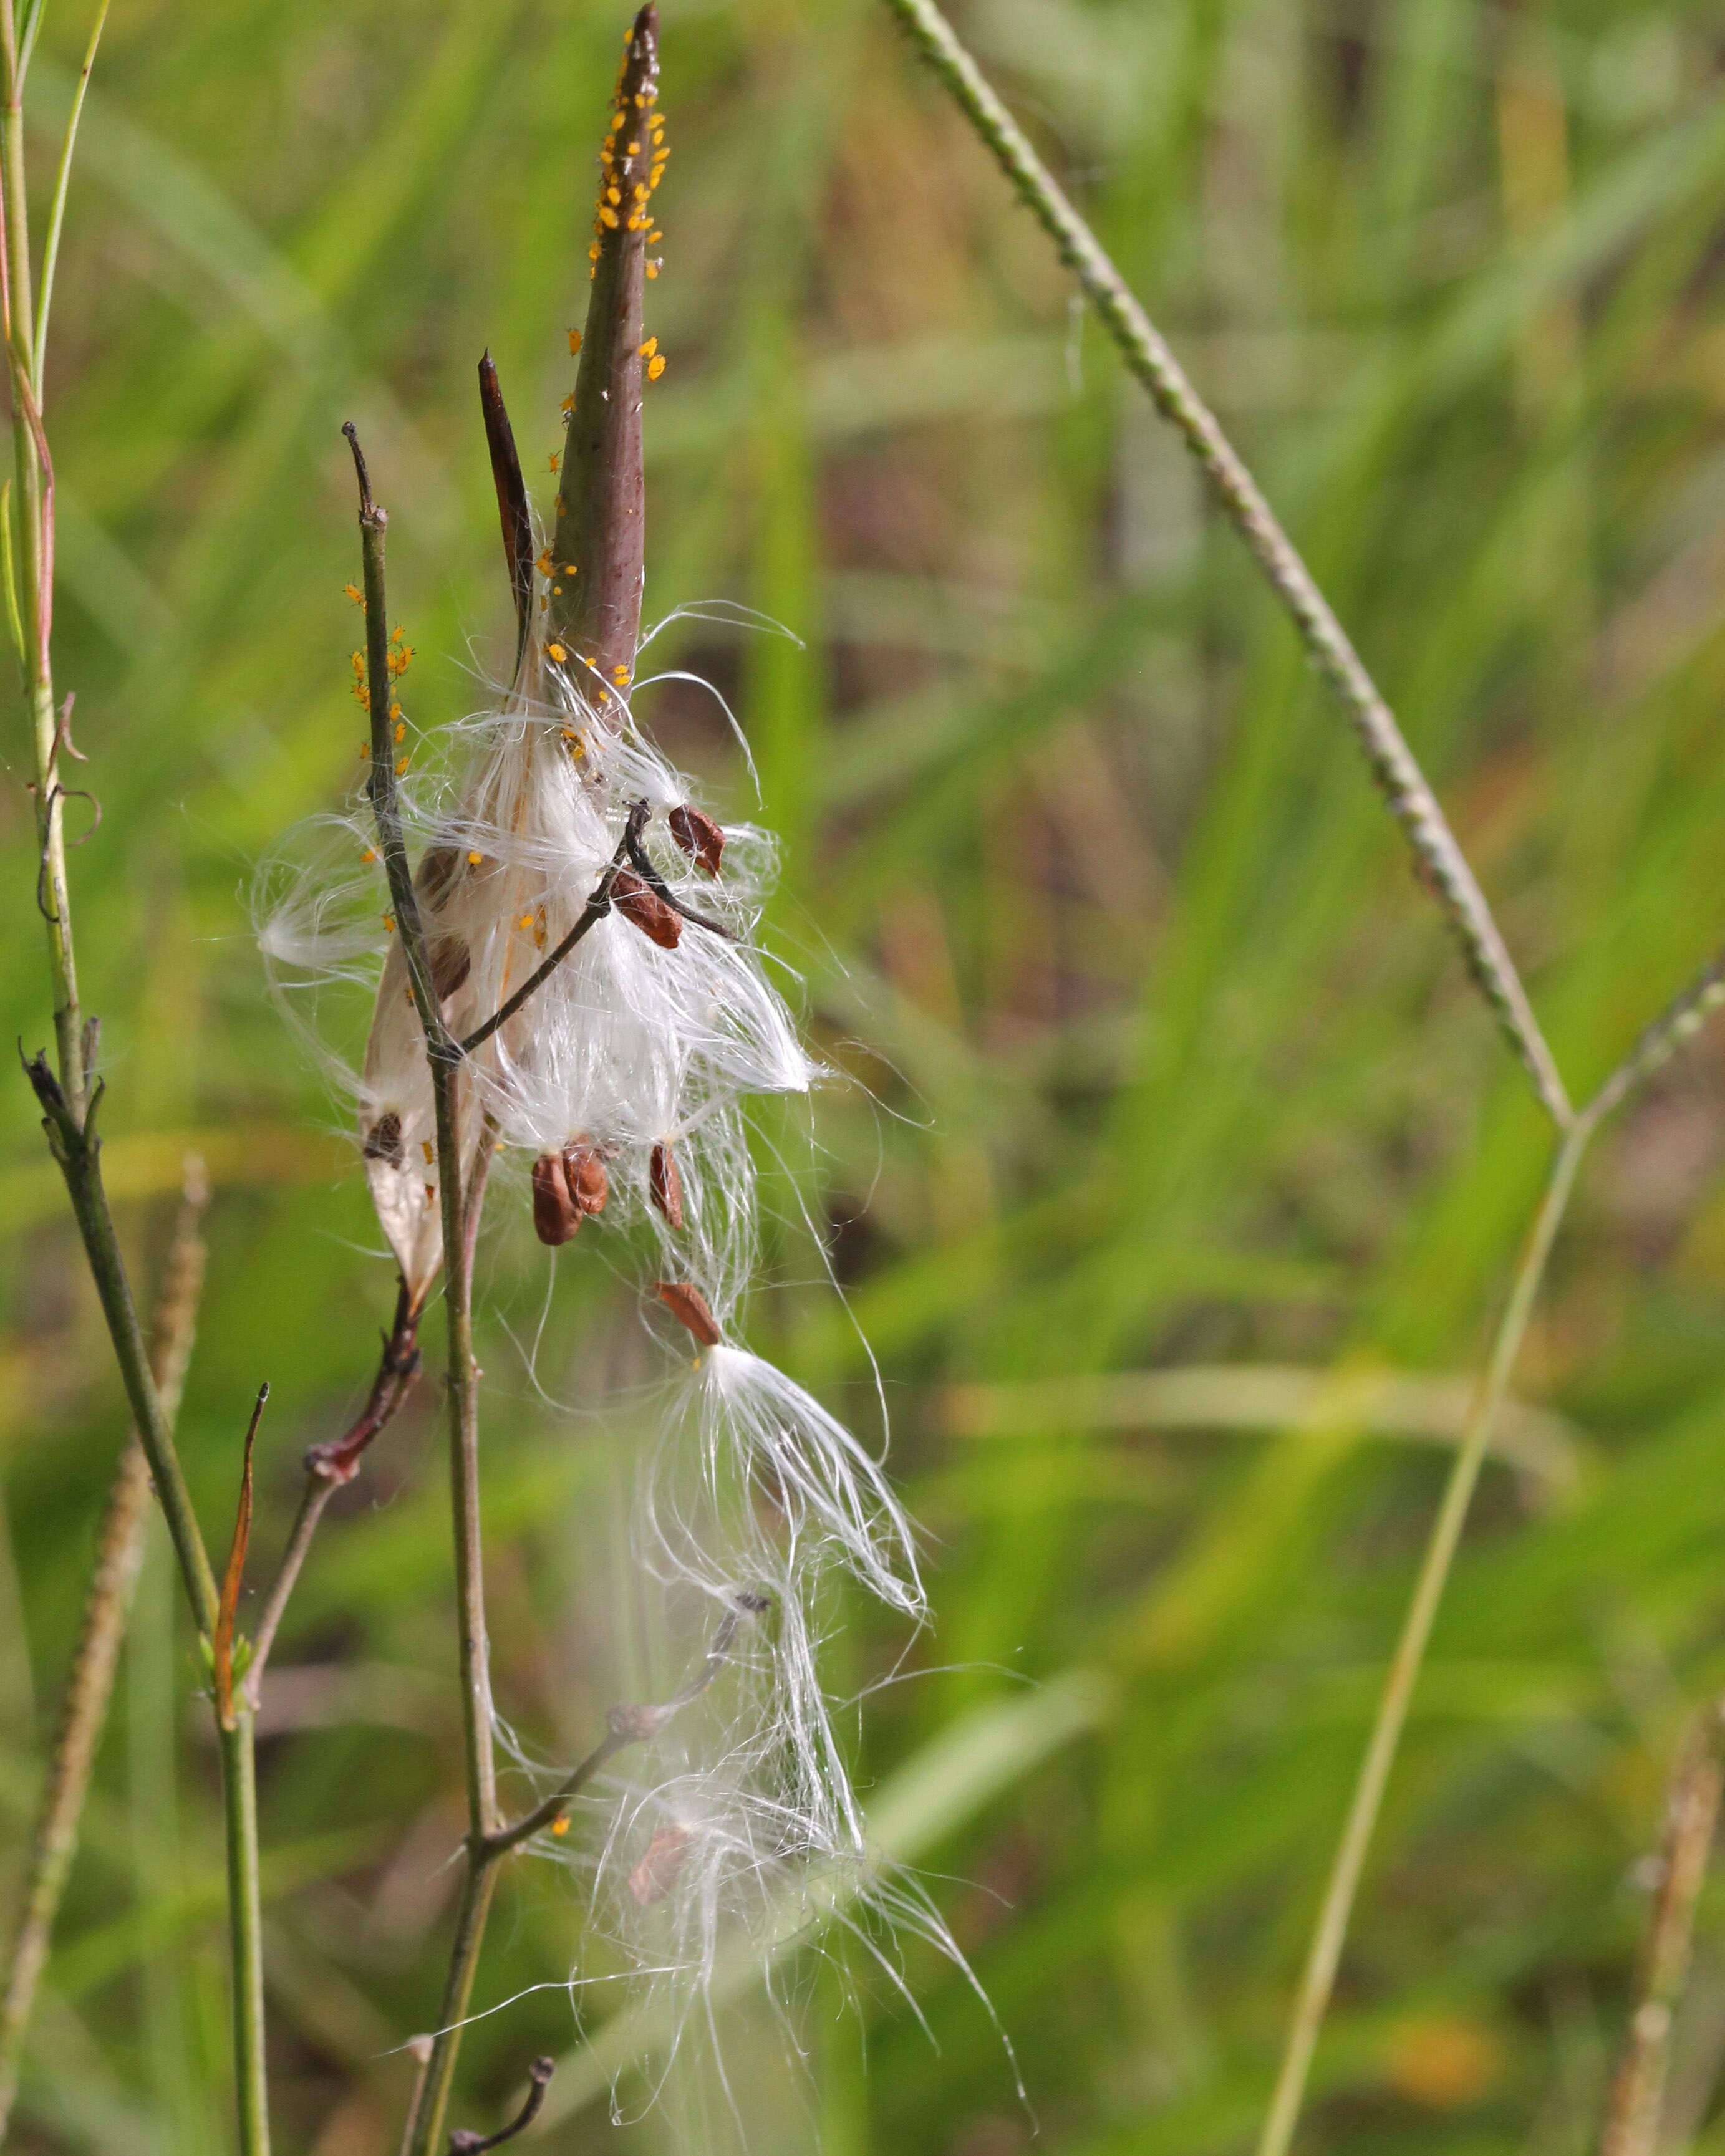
{"x":397,"y":1127}
{"x":597,"y":615}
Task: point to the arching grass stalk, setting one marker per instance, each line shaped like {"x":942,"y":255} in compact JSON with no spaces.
{"x":1656,"y":1046}
{"x":1452,"y":884}
{"x":1400,"y":778}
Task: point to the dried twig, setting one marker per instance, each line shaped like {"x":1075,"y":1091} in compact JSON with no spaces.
{"x":463,"y":2141}
{"x":628,"y":1725}
{"x":329,"y":1466}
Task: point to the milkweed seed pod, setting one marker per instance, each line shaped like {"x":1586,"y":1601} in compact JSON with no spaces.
{"x":575,"y":915}
{"x":601,"y":525}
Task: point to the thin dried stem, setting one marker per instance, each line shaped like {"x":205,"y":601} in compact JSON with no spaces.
{"x":234,"y":1574}
{"x":84,"y":1711}
{"x":1397,"y":776}
{"x":1691,"y":1813}
{"x":595,"y":909}
{"x":444,"y":1058}
{"x":466,"y":2143}
{"x":328,"y":1466}
{"x":625,"y":1726}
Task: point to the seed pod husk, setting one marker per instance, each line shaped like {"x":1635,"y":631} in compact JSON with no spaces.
{"x":513,"y":508}
{"x":687,"y":1304}
{"x":666,"y":1184}
{"x":556,"y":1216}
{"x":451,"y":965}
{"x":597,"y":615}
{"x":584,"y":1172}
{"x":698,"y":836}
{"x":383,"y":1141}
{"x":636,"y":901}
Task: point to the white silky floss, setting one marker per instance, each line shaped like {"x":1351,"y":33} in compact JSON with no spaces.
{"x":751,"y":1490}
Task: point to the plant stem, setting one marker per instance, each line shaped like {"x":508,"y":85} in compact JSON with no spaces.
{"x":444,"y":1058}
{"x":432,"y":2098}
{"x":245,"y":1918}
{"x":1632,"y":2121}
{"x":57,"y":214}
{"x":1398,"y":777}
{"x":68,"y":1104}
{"x":77,"y":1149}
{"x":120,"y":1549}
{"x":328,"y":1466}
{"x":1325,"y":1952}
{"x":35,"y":513}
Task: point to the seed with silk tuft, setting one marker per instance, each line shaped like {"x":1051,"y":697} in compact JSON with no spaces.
{"x":687,"y":1304}
{"x":636,"y":901}
{"x":556,"y":1216}
{"x":698,"y":836}
{"x":666,"y":1185}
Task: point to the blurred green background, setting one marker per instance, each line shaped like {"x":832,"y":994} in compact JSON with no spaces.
{"x":1161,"y":1096}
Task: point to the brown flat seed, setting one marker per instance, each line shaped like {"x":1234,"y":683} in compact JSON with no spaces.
{"x":690,"y":1307}
{"x":698,"y":836}
{"x":383,"y":1142}
{"x":656,"y":1874}
{"x":636,"y":901}
{"x":584,"y":1172}
{"x":555,"y":1215}
{"x":450,"y":964}
{"x":666,"y":1185}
